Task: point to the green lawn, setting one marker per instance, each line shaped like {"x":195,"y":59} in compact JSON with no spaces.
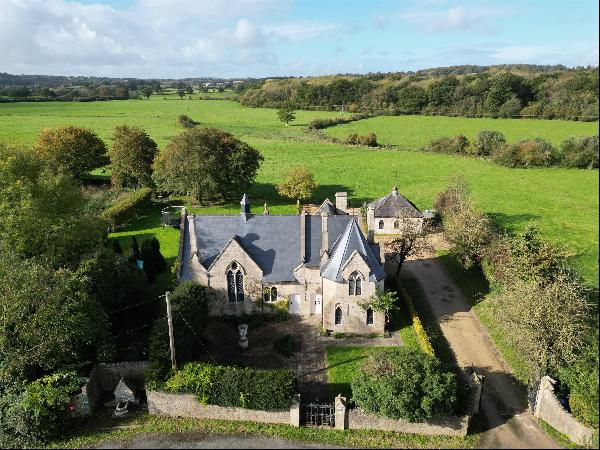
{"x":563,"y":203}
{"x":412,"y":132}
{"x":343,"y":364}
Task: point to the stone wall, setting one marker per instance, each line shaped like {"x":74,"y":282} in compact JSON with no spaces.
{"x":389,"y":222}
{"x":187,"y":405}
{"x":549,"y":409}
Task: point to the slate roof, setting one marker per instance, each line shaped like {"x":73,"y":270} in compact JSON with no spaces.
{"x":351,"y":239}
{"x":272,"y":241}
{"x":395,"y":205}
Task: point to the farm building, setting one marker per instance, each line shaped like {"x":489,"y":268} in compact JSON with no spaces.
{"x":393,"y":213}
{"x":319,"y":264}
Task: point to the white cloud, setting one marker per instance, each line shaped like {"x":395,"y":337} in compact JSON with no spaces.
{"x":456,"y":18}
{"x":300,"y":30}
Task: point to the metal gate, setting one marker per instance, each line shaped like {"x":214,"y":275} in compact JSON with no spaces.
{"x":318,"y":414}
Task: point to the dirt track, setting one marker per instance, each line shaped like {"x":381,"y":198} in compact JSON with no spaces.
{"x":508,"y":421}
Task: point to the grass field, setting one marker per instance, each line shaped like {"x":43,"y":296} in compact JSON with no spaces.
{"x":563,"y":203}
{"x":412,"y":132}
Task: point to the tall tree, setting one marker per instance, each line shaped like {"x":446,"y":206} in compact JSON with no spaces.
{"x":131,"y":157}
{"x":298,"y":183}
{"x":207,"y":163}
{"x":411,"y":241}
{"x":78,"y":150}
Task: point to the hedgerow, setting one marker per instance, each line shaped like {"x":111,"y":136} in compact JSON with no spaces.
{"x":125,"y":208}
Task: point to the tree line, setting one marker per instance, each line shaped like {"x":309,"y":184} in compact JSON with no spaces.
{"x":570,"y":94}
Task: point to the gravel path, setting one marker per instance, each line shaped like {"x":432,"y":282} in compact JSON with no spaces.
{"x":510,"y":425}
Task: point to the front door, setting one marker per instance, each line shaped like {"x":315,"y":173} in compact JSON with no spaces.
{"x":294,"y":307}
{"x":317,"y":305}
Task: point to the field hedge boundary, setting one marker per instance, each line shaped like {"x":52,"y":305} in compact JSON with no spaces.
{"x":422,"y":336}
{"x":125,"y":208}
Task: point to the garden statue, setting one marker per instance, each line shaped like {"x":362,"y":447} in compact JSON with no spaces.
{"x":243,"y":342}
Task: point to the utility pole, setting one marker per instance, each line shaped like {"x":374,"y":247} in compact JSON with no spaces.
{"x":170,"y":322}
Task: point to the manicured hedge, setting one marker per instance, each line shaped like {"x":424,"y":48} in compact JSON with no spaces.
{"x":267,"y":390}
{"x":125,"y":208}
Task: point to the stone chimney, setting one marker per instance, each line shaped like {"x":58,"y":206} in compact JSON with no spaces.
{"x":324,"y":236}
{"x":266,"y":210}
{"x":245,"y":208}
{"x":341,"y":201}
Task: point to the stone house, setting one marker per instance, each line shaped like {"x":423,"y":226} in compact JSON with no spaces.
{"x":392,"y":213}
{"x":317,"y":264}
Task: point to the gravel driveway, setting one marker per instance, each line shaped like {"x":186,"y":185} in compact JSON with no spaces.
{"x":509,"y":423}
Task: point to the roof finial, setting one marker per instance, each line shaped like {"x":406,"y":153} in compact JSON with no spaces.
{"x":266,"y":210}
{"x":395,"y":190}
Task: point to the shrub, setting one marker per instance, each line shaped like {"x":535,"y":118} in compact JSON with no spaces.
{"x":41,"y":411}
{"x":370,"y":140}
{"x":580,"y":152}
{"x":405,"y":384}
{"x":154,"y":261}
{"x":127,"y":207}
{"x":454,"y":144}
{"x":582,"y":379}
{"x":232,"y":386}
{"x":454,"y":197}
{"x":187,"y":122}
{"x":527,"y":153}
{"x":486,"y":141}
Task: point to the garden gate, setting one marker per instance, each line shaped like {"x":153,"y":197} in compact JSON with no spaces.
{"x":318,"y":414}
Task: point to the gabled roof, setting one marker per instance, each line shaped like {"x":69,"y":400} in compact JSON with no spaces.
{"x":351,"y":240}
{"x":395,"y":205}
{"x":329,"y":208}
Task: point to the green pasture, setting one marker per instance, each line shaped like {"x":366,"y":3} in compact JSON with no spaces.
{"x":562,"y":203}
{"x":413,"y":132}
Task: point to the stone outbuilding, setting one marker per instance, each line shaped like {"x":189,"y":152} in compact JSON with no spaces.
{"x":318,"y":264}
{"x":393,"y":213}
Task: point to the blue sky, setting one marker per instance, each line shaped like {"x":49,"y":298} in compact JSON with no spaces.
{"x":237,"y":38}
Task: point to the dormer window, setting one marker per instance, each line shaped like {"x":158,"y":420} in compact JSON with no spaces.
{"x":235,"y":283}
{"x":355,"y":284}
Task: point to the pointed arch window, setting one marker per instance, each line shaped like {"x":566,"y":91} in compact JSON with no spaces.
{"x":235,"y":283}
{"x":369,"y":316}
{"x":338,"y":315}
{"x":381,"y":224}
{"x":355,"y":284}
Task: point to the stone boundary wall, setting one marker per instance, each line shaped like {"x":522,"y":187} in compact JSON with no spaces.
{"x":549,"y":409}
{"x":187,"y":405}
